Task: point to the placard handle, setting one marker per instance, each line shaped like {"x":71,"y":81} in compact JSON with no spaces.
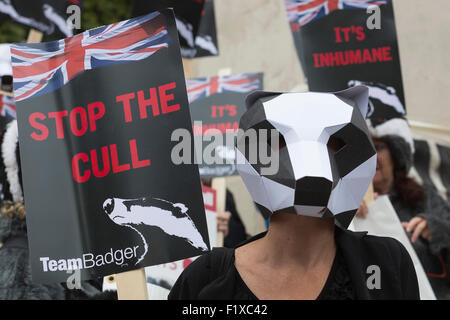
{"x":220,"y":185}
{"x":132,"y":285}
{"x":35,"y":36}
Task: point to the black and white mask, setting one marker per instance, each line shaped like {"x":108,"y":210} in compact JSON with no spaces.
{"x":326,"y":156}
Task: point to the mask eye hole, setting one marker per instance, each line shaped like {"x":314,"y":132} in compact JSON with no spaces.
{"x":335,"y":144}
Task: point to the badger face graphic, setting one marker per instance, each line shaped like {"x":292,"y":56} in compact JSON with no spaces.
{"x":172,"y":218}
{"x":383,"y":100}
{"x":326,"y":156}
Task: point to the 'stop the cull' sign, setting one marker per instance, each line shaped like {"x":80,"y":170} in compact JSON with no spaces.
{"x":96,"y":112}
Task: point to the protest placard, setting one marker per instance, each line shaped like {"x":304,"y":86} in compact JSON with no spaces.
{"x":165,"y":275}
{"x":344,"y":43}
{"x":188,"y":15}
{"x":47,"y":16}
{"x":96,"y":113}
{"x":216,"y":104}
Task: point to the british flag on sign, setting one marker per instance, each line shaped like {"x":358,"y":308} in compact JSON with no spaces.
{"x":7,"y":107}
{"x":204,"y":87}
{"x":40,"y":69}
{"x":306,"y":11}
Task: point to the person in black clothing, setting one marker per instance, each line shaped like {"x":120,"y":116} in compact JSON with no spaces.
{"x":228,"y":274}
{"x":307,"y":253}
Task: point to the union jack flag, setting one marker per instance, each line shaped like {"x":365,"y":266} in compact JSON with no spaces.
{"x":42,"y":68}
{"x":205,"y":87}
{"x":7,"y":107}
{"x":306,"y":11}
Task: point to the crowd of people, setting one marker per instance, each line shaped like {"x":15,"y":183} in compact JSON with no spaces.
{"x":298,"y":257}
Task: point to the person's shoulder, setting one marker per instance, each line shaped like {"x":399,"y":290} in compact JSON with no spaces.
{"x":201,"y":272}
{"x":379,"y":243}
{"x":399,"y":279}
{"x":386,"y":250}
{"x":210,"y":261}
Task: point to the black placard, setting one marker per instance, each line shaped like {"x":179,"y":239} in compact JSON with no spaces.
{"x":218,"y":103}
{"x":135,"y":208}
{"x":338,"y":50}
{"x":187,"y":12}
{"x":47,"y":16}
{"x":206,"y":43}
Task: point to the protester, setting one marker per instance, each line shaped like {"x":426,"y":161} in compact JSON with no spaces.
{"x":15,"y":271}
{"x":229,"y":222}
{"x":423,"y":213}
{"x":306,"y":253}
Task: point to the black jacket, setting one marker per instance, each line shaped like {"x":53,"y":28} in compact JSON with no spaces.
{"x":210,"y":277}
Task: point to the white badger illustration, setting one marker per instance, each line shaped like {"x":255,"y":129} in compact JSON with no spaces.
{"x":172,"y":218}
{"x":385,"y":94}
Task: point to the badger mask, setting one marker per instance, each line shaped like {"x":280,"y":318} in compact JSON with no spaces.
{"x":326,"y":156}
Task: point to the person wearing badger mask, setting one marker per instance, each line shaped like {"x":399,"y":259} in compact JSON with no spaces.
{"x":326,"y":163}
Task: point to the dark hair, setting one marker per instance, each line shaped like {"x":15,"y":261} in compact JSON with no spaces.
{"x":409,"y":190}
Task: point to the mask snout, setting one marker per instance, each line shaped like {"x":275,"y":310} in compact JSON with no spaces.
{"x":313,"y":191}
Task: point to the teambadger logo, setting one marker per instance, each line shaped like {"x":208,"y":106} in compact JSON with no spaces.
{"x":327,"y":158}
{"x":383,"y":100}
{"x":172,"y":218}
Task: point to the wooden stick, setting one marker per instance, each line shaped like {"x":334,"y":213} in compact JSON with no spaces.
{"x":220,"y":185}
{"x":132,"y":285}
{"x":187,"y":66}
{"x":35,"y":36}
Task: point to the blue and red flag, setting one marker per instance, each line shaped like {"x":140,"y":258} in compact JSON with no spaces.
{"x":306,"y":11}
{"x":205,"y":87}
{"x":7,"y":107}
{"x":40,"y":69}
